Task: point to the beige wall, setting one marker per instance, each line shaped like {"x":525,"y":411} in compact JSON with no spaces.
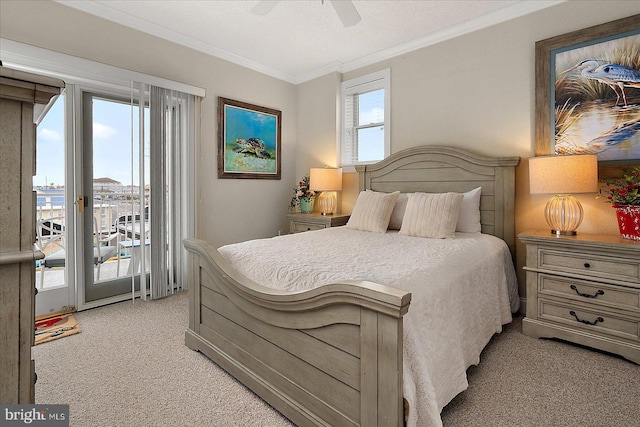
{"x":477,"y":91}
{"x":318,"y":125}
{"x":474,"y":91}
{"x":230,"y":210}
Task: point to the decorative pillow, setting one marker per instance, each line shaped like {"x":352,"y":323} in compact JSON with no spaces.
{"x":398,"y":212}
{"x":469,"y":216}
{"x":431,"y":215}
{"x":372,"y":211}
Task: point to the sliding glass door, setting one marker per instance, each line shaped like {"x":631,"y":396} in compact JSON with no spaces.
{"x":54,"y":280}
{"x":115,"y":197}
{"x":92,"y":204}
{"x":113,"y":224}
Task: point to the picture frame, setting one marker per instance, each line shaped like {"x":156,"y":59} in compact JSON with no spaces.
{"x":571,"y":84}
{"x":249,"y":140}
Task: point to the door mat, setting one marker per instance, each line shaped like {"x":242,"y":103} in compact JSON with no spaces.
{"x":55,"y":327}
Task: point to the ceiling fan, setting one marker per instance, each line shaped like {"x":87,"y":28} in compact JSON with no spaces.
{"x":344,"y":8}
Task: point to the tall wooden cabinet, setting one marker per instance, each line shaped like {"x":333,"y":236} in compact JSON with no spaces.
{"x":22,"y":95}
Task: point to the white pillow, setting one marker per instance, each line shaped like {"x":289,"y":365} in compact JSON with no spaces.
{"x":372,"y":211}
{"x":431,"y":215}
{"x":469,"y":216}
{"x":398,"y":212}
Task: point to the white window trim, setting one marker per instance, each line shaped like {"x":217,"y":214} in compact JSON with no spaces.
{"x":362,"y":84}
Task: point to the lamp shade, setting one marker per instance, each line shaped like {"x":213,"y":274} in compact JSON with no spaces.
{"x":563,"y":174}
{"x":325,"y":179}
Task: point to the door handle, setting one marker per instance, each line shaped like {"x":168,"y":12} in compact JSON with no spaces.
{"x":81,"y":204}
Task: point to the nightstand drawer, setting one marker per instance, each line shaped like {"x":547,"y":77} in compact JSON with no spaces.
{"x":590,"y":292}
{"x":592,"y":265}
{"x":299,"y":222}
{"x":299,"y":227}
{"x":593,"y":320}
{"x":584,"y":289}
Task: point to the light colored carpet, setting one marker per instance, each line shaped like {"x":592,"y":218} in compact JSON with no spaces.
{"x":524,"y":381}
{"x":130,"y":367}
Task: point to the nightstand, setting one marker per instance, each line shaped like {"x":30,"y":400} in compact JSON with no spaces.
{"x":584,"y":289}
{"x":299,"y":222}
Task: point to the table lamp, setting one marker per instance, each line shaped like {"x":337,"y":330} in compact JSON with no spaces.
{"x":563,"y":176}
{"x":327,"y":181}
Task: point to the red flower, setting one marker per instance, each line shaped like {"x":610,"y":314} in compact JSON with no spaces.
{"x":625,"y":191}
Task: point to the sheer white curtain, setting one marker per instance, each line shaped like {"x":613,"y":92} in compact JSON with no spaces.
{"x":174,"y":122}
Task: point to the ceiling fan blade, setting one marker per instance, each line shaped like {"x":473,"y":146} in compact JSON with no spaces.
{"x":346,"y":12}
{"x":264,"y":6}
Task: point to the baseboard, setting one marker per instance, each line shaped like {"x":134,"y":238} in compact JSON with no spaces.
{"x":65,"y":310}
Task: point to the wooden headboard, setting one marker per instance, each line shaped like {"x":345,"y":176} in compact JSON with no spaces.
{"x":438,"y":169}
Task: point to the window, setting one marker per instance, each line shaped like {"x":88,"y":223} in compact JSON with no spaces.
{"x":365,"y":119}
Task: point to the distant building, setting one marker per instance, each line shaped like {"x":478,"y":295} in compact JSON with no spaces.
{"x":107,"y":185}
{"x":111,"y":199}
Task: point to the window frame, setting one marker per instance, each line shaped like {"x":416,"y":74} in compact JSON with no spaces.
{"x":357,"y":86}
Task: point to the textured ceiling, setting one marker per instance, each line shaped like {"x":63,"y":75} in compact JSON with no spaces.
{"x":302,"y":39}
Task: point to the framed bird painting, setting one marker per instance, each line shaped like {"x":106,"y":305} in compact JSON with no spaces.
{"x":588,"y":92}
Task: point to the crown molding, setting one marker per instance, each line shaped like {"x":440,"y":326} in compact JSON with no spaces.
{"x":484,"y":21}
{"x":118,"y":17}
{"x":333,"y":67}
{"x":499,"y":16}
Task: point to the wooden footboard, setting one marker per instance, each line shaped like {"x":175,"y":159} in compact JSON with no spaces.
{"x":331,"y":356}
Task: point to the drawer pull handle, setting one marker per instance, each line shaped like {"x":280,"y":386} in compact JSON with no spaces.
{"x":598,"y":292}
{"x":587,"y":265}
{"x":586,"y":322}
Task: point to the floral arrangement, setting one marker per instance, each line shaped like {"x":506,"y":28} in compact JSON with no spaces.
{"x":302,"y":191}
{"x":625,"y":191}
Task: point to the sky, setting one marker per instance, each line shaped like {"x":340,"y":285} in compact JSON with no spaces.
{"x":111,"y":143}
{"x":50,"y":147}
{"x":371,"y":140}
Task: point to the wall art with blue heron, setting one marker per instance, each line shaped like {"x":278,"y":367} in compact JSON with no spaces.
{"x":596,"y":98}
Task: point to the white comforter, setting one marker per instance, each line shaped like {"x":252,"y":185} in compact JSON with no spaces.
{"x":463,"y":291}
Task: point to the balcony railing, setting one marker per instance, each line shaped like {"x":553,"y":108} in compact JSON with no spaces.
{"x":117,"y":223}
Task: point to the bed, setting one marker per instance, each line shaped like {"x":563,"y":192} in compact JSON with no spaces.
{"x":326,"y":345}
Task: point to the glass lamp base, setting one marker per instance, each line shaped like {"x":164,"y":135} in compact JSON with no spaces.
{"x":327,"y":202}
{"x":564,"y":214}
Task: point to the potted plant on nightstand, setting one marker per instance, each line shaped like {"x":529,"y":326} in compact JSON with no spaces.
{"x":303,"y":196}
{"x":624,"y":195}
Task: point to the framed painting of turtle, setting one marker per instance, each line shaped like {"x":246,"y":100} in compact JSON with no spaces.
{"x":588,"y":93}
{"x":249,"y":140}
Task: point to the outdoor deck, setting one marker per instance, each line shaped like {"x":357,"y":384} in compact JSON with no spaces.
{"x":117,"y":227}
{"x":54,"y":277}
